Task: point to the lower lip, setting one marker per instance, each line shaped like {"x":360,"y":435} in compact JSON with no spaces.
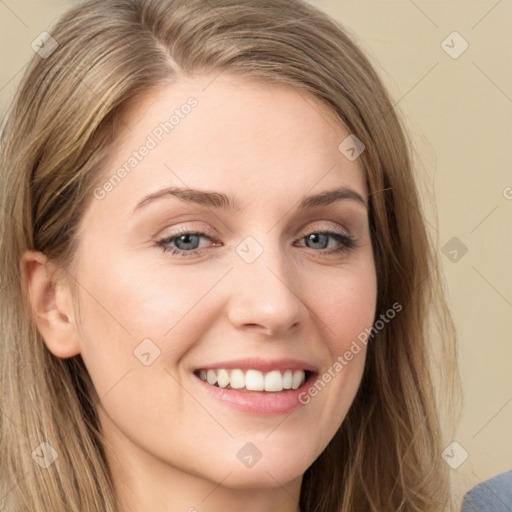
{"x":258,"y":402}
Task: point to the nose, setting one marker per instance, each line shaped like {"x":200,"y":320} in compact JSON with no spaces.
{"x":265,"y":295}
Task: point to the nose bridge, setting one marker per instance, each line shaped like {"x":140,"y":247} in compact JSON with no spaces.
{"x":265,"y":291}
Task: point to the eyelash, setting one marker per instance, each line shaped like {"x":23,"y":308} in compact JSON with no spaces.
{"x":348,"y":242}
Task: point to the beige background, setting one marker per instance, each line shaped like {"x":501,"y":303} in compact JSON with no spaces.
{"x":459,"y":111}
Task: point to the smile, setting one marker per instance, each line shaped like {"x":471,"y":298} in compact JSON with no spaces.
{"x":254,"y":380}
{"x":267,"y":391}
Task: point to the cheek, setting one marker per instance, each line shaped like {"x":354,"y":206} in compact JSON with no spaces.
{"x":131,"y":308}
{"x":346,"y":305}
{"x":131,"y":299}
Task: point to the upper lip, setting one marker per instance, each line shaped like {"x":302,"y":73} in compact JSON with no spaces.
{"x":263,"y":365}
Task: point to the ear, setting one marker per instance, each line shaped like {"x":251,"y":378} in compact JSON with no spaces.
{"x":51,"y":305}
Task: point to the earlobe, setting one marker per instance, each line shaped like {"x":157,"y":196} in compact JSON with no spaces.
{"x":51,"y":305}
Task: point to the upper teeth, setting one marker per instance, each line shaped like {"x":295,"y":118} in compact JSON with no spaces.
{"x":254,"y":380}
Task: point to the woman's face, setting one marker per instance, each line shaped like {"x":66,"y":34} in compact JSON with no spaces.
{"x":256,"y":285}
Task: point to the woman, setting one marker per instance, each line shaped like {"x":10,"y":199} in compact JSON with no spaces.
{"x":218,"y":286}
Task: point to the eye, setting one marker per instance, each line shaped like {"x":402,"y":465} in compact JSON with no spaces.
{"x":320,"y":240}
{"x":186,"y":243}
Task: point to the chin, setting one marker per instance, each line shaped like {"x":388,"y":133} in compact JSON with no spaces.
{"x":276,"y":466}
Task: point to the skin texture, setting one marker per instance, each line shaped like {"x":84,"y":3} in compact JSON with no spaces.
{"x":170,"y":445}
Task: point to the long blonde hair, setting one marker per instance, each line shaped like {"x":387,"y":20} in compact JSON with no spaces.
{"x":386,"y":455}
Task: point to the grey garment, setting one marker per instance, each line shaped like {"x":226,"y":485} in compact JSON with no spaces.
{"x":493,"y":495}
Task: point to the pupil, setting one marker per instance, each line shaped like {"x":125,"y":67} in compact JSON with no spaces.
{"x":315,"y":237}
{"x":186,"y":239}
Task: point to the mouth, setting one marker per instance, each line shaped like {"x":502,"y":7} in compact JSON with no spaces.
{"x":252,"y":380}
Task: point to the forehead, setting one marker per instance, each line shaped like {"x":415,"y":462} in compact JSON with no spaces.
{"x":253,"y":140}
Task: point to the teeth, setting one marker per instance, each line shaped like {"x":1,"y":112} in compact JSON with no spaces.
{"x":274,"y":381}
{"x":254,"y":380}
{"x":222,"y":378}
{"x":211,"y":377}
{"x":287,"y":379}
{"x":296,"y":380}
{"x":237,"y":380}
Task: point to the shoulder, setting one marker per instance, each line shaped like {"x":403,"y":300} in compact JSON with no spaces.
{"x":493,"y":495}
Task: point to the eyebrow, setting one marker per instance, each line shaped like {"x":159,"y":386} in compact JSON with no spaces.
{"x":218,"y":200}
